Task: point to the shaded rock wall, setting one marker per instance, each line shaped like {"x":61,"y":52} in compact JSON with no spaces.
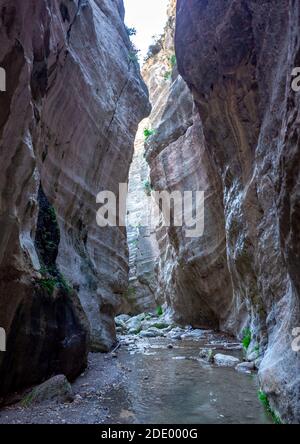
{"x":67,"y":124}
{"x":237,"y":58}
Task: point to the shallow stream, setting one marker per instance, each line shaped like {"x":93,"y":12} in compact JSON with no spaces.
{"x":172,"y":386}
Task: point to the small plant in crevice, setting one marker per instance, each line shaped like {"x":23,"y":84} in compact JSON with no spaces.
{"x":52,"y":214}
{"x":148,"y":132}
{"x":169,"y":69}
{"x":148,"y":187}
{"x":63,"y":283}
{"x":47,"y":241}
{"x":47,"y":236}
{"x":173,"y":61}
{"x":262,"y":396}
{"x":257,"y":350}
{"x":159,"y":310}
{"x":168,"y":76}
{"x":130,"y":31}
{"x":48,"y":284}
{"x":133,"y":57}
{"x":51,"y":279}
{"x":247,"y":336}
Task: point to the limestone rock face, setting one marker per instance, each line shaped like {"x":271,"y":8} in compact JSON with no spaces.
{"x":67,"y":124}
{"x":192,"y":274}
{"x":144,"y":292}
{"x":237,"y":58}
{"x":143,"y":248}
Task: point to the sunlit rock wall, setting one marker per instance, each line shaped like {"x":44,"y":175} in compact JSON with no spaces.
{"x":142,"y":243}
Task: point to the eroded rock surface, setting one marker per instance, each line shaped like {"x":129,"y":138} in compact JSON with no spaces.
{"x":192,"y":274}
{"x":237,"y":58}
{"x":67,"y":125}
{"x":226,"y":121}
{"x":143,"y":248}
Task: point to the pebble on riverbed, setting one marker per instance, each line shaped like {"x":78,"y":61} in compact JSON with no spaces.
{"x":245,"y":367}
{"x":207,"y":355}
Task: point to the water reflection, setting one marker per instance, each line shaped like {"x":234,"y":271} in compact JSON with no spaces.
{"x":164,"y":388}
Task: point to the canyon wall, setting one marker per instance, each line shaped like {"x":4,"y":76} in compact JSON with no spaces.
{"x":146,"y":290}
{"x":143,"y":249}
{"x":67,"y":125}
{"x":192,"y":273}
{"x":237,"y":58}
{"x":226,"y":121}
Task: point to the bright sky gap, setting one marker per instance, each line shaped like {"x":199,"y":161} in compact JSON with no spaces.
{"x":148,"y":17}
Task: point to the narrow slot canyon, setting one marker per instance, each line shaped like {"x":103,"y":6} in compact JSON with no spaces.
{"x":110,"y":313}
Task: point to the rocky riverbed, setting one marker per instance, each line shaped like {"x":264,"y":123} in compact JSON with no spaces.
{"x":158,"y":373}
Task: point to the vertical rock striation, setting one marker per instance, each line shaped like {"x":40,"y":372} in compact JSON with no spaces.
{"x":142,"y":244}
{"x":67,"y":125}
{"x":237,"y":58}
{"x":145,"y":292}
{"x":192,"y":272}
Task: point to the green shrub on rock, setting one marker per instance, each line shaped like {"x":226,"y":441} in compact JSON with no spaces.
{"x":263,"y":397}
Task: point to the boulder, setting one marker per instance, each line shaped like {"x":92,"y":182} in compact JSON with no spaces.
{"x":121,"y":319}
{"x":176,"y":333}
{"x":134,"y":324}
{"x":56,"y":389}
{"x":151,"y":333}
{"x":225,"y":360}
{"x":194,"y":334}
